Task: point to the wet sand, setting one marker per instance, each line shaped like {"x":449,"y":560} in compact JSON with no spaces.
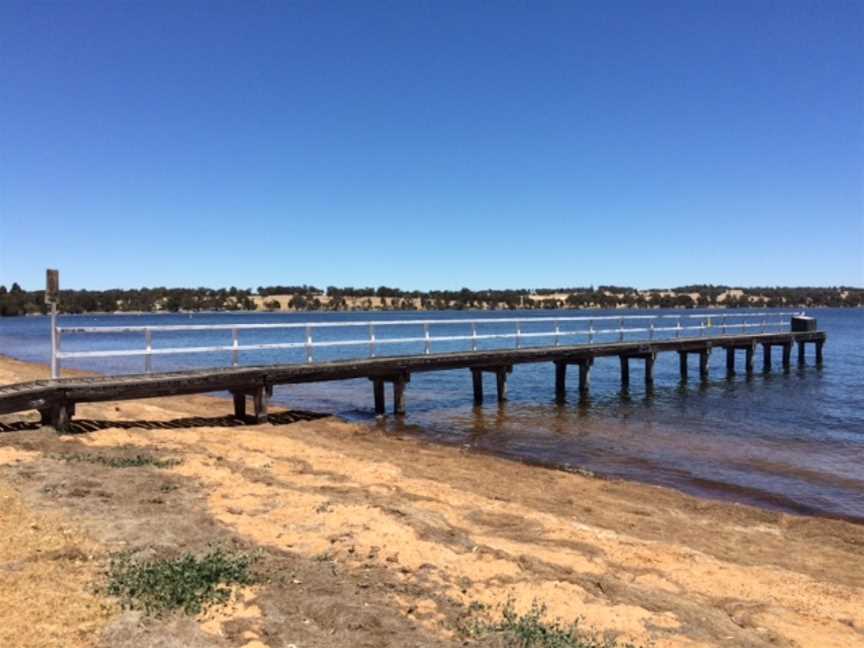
{"x":382,"y":540}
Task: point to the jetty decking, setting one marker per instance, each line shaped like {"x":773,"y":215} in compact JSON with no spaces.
{"x":56,"y":398}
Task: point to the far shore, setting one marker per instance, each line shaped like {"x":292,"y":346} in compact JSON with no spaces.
{"x":574,"y":311}
{"x":382,"y":539}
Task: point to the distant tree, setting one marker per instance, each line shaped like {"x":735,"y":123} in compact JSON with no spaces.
{"x":16,"y":289}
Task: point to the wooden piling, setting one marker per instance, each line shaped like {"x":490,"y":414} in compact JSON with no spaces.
{"x":501,"y":383}
{"x":260,"y":401}
{"x":239,"y":405}
{"x":766,"y":357}
{"x":58,"y":416}
{"x":477,"y":380}
{"x":748,"y":358}
{"x":625,"y":371}
{"x":704,"y":356}
{"x":378,"y":395}
{"x":819,"y":344}
{"x":801,"y":354}
{"x":730,"y":361}
{"x":560,"y":381}
{"x":787,"y":355}
{"x":399,"y":395}
{"x":649,"y":369}
{"x":585,"y":376}
{"x":682,"y":364}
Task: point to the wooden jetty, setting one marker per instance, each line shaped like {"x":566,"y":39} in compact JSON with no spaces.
{"x":56,"y":398}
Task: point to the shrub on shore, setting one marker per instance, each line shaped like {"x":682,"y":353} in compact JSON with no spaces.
{"x":189,"y":584}
{"x":530,"y":630}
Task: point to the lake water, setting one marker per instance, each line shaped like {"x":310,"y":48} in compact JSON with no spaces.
{"x":791,"y":441}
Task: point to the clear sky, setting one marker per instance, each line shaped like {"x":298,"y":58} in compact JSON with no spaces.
{"x":432,"y":145}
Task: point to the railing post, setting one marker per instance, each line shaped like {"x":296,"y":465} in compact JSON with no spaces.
{"x":557,"y":333}
{"x":148,"y":358}
{"x":621,"y":330}
{"x":55,"y":343}
{"x":473,"y":336}
{"x":235,"y":353}
{"x":590,"y":331}
{"x":651,"y":331}
{"x":723,"y":324}
{"x":518,"y":333}
{"x":371,"y":340}
{"x":428,"y":340}
{"x":308,"y":344}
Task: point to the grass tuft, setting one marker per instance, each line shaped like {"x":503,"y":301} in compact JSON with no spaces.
{"x":190,"y":584}
{"x":531,"y":630}
{"x":137,"y":461}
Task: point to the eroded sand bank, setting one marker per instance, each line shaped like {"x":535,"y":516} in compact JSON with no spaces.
{"x":385,"y":541}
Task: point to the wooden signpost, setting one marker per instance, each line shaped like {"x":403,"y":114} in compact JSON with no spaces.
{"x":52,"y":296}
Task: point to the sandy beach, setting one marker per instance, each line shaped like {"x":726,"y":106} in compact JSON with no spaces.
{"x":379,"y":540}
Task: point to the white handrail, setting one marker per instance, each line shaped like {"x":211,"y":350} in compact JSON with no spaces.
{"x":373,"y":341}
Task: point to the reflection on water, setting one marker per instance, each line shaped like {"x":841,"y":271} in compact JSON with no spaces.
{"x":791,"y":441}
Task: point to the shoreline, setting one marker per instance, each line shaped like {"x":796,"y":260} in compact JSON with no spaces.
{"x":712,"y":307}
{"x":418,"y":531}
{"x":715,"y":491}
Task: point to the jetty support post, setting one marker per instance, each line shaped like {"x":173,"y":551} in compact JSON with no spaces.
{"x":819,"y":344}
{"x":585,"y":375}
{"x":801,"y":354}
{"x":58,"y":416}
{"x":477,"y":381}
{"x":560,"y":381}
{"x":704,"y":357}
{"x":378,"y":396}
{"x":625,"y":371}
{"x":649,"y":369}
{"x":730,"y":361}
{"x":766,"y":357}
{"x":501,"y":382}
{"x":399,"y":382}
{"x":787,"y":355}
{"x":260,"y":402}
{"x":239,"y":405}
{"x":682,"y":365}
{"x":749,"y":352}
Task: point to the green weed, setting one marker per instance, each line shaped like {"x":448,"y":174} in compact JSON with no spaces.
{"x":531,"y":630}
{"x":190,"y":584}
{"x":137,"y":461}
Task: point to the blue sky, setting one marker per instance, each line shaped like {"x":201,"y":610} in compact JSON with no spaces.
{"x":425,"y":145}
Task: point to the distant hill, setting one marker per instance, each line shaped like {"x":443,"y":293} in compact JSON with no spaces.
{"x":15,"y":301}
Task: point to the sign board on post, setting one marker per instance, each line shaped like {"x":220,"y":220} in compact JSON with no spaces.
{"x":52,"y":286}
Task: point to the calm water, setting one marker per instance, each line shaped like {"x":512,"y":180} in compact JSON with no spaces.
{"x":790,"y":441}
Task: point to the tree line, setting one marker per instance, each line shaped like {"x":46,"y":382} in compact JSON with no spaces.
{"x":16,"y":301}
